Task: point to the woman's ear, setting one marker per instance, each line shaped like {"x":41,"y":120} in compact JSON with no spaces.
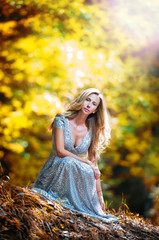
{"x":94,"y":111}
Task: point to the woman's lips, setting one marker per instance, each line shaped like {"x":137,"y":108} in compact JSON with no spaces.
{"x":86,"y":109}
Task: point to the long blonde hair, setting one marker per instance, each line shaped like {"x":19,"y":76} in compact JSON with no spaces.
{"x":98,"y":123}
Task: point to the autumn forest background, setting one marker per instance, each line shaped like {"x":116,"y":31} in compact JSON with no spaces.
{"x":49,"y":52}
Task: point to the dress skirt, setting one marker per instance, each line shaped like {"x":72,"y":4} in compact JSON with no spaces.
{"x":72,"y":183}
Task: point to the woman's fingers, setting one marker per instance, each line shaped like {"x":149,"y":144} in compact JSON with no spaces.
{"x":102,"y":204}
{"x":95,"y":169}
{"x":97,"y":173}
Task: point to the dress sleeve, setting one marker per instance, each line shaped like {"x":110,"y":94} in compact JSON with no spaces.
{"x":59,"y":122}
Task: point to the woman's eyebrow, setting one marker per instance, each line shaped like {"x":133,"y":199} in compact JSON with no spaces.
{"x":89,"y":98}
{"x":94,"y":102}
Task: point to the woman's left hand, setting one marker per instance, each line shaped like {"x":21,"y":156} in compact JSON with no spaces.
{"x":101,"y":201}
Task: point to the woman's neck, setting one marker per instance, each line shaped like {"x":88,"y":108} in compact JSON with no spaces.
{"x":80,"y":119}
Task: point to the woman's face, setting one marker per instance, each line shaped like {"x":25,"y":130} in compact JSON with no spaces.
{"x":90,"y":104}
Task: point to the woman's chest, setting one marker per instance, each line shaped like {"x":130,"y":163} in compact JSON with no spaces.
{"x":78,"y":135}
{"x":76,"y":140}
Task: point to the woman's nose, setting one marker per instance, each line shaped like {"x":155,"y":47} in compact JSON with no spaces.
{"x":88,"y":104}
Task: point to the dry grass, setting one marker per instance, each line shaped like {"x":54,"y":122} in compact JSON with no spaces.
{"x":26,"y":215}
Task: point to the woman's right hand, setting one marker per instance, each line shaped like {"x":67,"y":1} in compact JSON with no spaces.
{"x":97,"y":173}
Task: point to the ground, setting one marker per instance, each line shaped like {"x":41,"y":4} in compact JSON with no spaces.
{"x":26,"y":215}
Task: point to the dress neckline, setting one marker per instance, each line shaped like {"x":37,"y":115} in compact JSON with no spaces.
{"x":72,"y":138}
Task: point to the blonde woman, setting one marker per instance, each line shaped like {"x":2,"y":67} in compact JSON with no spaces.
{"x":66,"y":175}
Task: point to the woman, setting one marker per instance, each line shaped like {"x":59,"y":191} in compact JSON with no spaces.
{"x":66,"y":176}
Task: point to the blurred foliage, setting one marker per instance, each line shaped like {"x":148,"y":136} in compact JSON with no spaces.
{"x":49,"y":52}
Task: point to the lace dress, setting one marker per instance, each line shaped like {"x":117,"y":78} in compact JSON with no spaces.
{"x":68,"y":180}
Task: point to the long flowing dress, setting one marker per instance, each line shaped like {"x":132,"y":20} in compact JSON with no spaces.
{"x":68,"y":180}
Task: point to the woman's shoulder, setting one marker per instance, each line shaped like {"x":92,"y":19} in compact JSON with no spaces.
{"x":60,"y":117}
{"x":59,"y":121}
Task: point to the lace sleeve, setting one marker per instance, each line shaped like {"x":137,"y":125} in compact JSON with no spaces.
{"x":59,"y":122}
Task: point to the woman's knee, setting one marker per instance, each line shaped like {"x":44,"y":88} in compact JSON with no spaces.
{"x":69,"y":160}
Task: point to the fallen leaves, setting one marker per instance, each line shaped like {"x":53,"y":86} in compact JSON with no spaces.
{"x":24,"y":214}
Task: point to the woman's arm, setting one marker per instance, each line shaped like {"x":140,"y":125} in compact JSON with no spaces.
{"x":98,"y":184}
{"x":60,"y":148}
{"x":62,"y":152}
{"x":94,"y":164}
{"x":100,"y":194}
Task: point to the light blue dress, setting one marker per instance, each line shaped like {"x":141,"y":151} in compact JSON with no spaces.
{"x":68,"y":180}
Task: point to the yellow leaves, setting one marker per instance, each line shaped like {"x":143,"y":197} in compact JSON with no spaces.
{"x":153,"y":161}
{"x":124,"y":163}
{"x":143,"y":146}
{"x":16,"y":103}
{"x":131,"y":142}
{"x":1,"y":154}
{"x":147,"y":134}
{"x":29,"y":44}
{"x":19,"y":77}
{"x":5,"y":109}
{"x":41,"y":81}
{"x":7,"y":131}
{"x":71,"y":46}
{"x":13,"y":122}
{"x":131,"y":159}
{"x":27,"y":21}
{"x":16,"y":147}
{"x":123,"y":118}
{"x":33,"y":142}
{"x":18,"y":120}
{"x":48,"y":209}
{"x":6,"y":91}
{"x":62,"y":226}
{"x":8,"y":27}
{"x":116,"y":158}
{"x":1,"y":75}
{"x":134,"y":111}
{"x":20,"y":64}
{"x":136,"y":171}
{"x":16,"y":134}
{"x":57,"y":213}
{"x":107,"y":171}
{"x":55,"y":229}
{"x":44,"y":104}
